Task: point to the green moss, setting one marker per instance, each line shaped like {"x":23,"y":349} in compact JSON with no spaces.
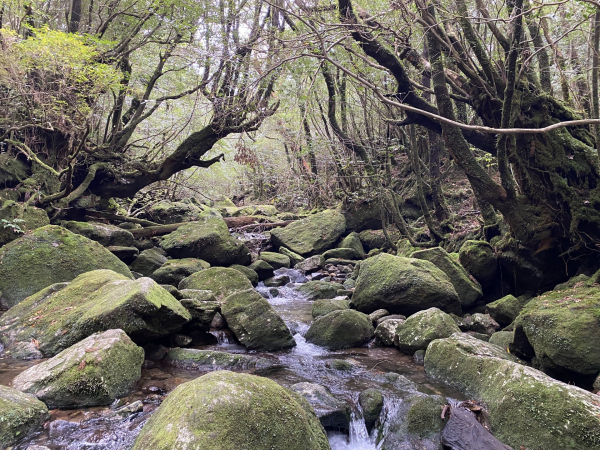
{"x":275,"y":260}
{"x":421,"y":328}
{"x":480,"y":261}
{"x":403,"y":286}
{"x":248,"y":272}
{"x":104,"y":234}
{"x":295,"y":258}
{"x":20,"y":416}
{"x":255,"y":323}
{"x":220,"y":280}
{"x":425,"y":416}
{"x":60,"y":316}
{"x":93,"y":372}
{"x":325,"y":306}
{"x":316,"y":290}
{"x":29,"y":218}
{"x":207,"y":360}
{"x":371,"y":403}
{"x":175,"y":270}
{"x":505,"y":310}
{"x":353,"y":241}
{"x":467,"y":289}
{"x":50,"y":255}
{"x":312,"y":235}
{"x":526,"y":408}
{"x":207,"y":239}
{"x":228,"y":411}
{"x":563,"y":327}
{"x":341,"y":329}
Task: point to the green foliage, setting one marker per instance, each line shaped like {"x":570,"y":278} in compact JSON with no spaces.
{"x":13,"y":224}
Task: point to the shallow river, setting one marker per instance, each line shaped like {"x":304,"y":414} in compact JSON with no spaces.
{"x":99,"y":428}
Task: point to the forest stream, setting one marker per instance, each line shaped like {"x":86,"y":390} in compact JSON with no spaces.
{"x":101,"y":428}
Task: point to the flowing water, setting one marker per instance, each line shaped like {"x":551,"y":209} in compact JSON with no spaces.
{"x":102,"y":428}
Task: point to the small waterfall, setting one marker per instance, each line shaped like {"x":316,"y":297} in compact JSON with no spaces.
{"x":358,"y":438}
{"x":224,"y":337}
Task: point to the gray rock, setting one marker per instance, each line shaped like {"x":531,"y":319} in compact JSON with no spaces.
{"x":148,"y":261}
{"x":209,"y":360}
{"x":311,"y":264}
{"x":175,"y":270}
{"x":104,"y":234}
{"x":386,"y":331}
{"x":332,"y":412}
{"x":93,"y":372}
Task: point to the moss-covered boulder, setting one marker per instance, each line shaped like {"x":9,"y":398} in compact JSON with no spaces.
{"x":386,"y":331}
{"x":353,"y":241}
{"x":149,"y":261}
{"x":229,"y":411}
{"x":63,"y":314}
{"x":341,"y":329}
{"x":49,"y":255}
{"x":263,"y":269}
{"x":202,"y":311}
{"x":295,"y":258}
{"x":255,"y":323}
{"x":526,"y":407}
{"x":167,"y":212}
{"x":209,"y":360}
{"x":93,"y":372}
{"x":468,"y":290}
{"x":483,"y":324}
{"x":311,"y":264}
{"x":102,"y":233}
{"x":325,"y":306}
{"x":332,"y":412}
{"x":563,"y":327}
{"x":221,"y":281}
{"x":371,"y":403}
{"x":317,"y":290}
{"x":373,"y":239}
{"x":421,"y":328}
{"x":403,"y":286}
{"x":342,"y":253}
{"x":405,"y":248}
{"x":175,"y":270}
{"x":20,"y":416}
{"x":502,"y":339}
{"x":312,"y":235}
{"x":275,"y":260}
{"x":424,"y":417}
{"x":505,"y":310}
{"x":251,"y":274}
{"x":207,"y":239}
{"x":17,"y":218}
{"x":480,"y":261}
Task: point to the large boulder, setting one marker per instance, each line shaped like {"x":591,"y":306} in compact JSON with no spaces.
{"x":505,"y":310}
{"x":167,"y":212}
{"x":403,"y":286}
{"x":255,"y":323}
{"x":479,"y":259}
{"x":527,"y":409}
{"x":275,"y":260}
{"x":207,"y":239}
{"x":327,"y":305}
{"x":49,"y":255}
{"x":563,"y":329}
{"x":315,"y":234}
{"x":209,"y":360}
{"x":423,"y":327}
{"x":63,"y":314}
{"x":148,"y":261}
{"x":341,"y":329}
{"x":20,"y":416}
{"x":230,"y":411}
{"x":316,"y":290}
{"x":17,"y":218}
{"x":332,"y":412}
{"x":221,"y":281}
{"x":175,"y":270}
{"x":93,"y":372}
{"x":468,"y":290}
{"x":105,"y":234}
{"x":353,"y":241}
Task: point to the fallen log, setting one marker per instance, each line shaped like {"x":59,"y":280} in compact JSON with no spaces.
{"x":239,"y":223}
